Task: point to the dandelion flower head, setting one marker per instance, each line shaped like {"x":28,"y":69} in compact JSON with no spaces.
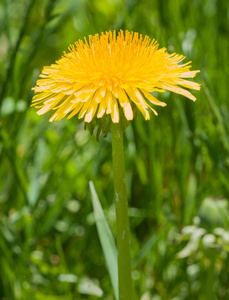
{"x":111,"y":74}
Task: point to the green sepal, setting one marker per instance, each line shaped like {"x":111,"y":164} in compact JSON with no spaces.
{"x":103,"y":125}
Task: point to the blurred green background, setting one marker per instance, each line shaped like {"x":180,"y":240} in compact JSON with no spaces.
{"x":177,"y":164}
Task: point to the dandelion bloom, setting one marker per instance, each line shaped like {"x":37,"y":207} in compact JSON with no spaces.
{"x":111,"y":74}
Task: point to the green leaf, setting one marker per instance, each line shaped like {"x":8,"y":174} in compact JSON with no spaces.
{"x":106,"y":239}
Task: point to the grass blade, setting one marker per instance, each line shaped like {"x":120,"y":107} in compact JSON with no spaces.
{"x":106,"y":239}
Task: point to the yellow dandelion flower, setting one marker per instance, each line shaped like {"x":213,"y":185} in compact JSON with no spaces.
{"x":111,"y":74}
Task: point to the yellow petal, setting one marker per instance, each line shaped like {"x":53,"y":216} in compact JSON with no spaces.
{"x":103,"y":105}
{"x":76,"y":110}
{"x":137,"y":98}
{"x":152,"y":99}
{"x":91,"y":110}
{"x":109,"y":97}
{"x":179,"y":90}
{"x":188,"y":84}
{"x":99,"y":94}
{"x":84,"y":109}
{"x":114,"y":110}
{"x":42,"y":96}
{"x":47,"y":107}
{"x":53,"y":117}
{"x":188,"y":74}
{"x":128,"y":112}
{"x":122,"y":97}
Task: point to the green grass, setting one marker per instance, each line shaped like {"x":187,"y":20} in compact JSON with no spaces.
{"x":177,"y":164}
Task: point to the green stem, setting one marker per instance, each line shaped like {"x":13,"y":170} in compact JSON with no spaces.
{"x":122,"y":220}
